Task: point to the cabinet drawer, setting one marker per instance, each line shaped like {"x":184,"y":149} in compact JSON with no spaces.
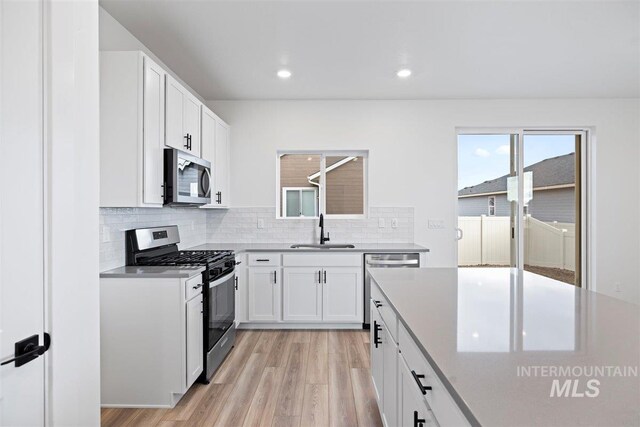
{"x":264,"y":259}
{"x":315,"y":259}
{"x":438,"y":398}
{"x":386,"y":312}
{"x":193,"y":287}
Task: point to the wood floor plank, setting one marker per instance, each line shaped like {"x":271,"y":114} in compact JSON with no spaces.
{"x":265,"y":341}
{"x":238,"y":402}
{"x":301,"y":335}
{"x":116,"y":417}
{"x":366,"y":336}
{"x":336,"y":342}
{"x":315,"y":406}
{"x":237,"y":359}
{"x":279,"y":353}
{"x":355,"y":350}
{"x":211,"y":405}
{"x":263,"y":404}
{"x":292,"y":390}
{"x":147,"y":418}
{"x":342,"y":410}
{"x":365,"y":398}
{"x":283,"y":421}
{"x":318,"y":366}
{"x":185,"y":407}
{"x":172,"y":423}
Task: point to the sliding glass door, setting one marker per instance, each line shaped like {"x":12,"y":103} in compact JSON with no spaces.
{"x":520,"y":202}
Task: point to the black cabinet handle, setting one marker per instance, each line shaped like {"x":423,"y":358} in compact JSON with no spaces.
{"x":319,"y":276}
{"x":418,"y":422}
{"x":236,"y":281}
{"x":324,"y":275}
{"x":197,"y":287}
{"x":376,"y":303}
{"x":262,"y":260}
{"x":417,"y":377}
{"x":376,"y":328}
{"x":275,"y":277}
{"x":219,"y":197}
{"x":186,"y":145}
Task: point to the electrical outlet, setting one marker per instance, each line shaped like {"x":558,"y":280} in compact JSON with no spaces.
{"x":394,"y":223}
{"x":435,"y":224}
{"x":260,"y":222}
{"x":381,"y":223}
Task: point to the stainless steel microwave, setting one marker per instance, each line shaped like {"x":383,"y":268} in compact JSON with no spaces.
{"x":187,"y":179}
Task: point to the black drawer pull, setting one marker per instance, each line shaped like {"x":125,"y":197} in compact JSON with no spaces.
{"x":376,"y":303}
{"x":417,"y":377}
{"x":376,"y":328}
{"x":197,"y":287}
{"x":418,"y":422}
{"x":262,"y":260}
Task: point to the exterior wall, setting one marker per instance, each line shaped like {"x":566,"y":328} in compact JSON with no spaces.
{"x":345,"y":188}
{"x":548,"y":205}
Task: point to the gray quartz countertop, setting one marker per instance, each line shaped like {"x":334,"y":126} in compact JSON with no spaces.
{"x":153,"y":272}
{"x":499,"y":339}
{"x":286,"y":247}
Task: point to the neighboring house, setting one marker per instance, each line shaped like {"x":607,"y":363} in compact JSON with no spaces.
{"x":553,"y":193}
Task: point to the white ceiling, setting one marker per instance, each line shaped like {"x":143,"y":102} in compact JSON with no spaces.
{"x":352,"y":50}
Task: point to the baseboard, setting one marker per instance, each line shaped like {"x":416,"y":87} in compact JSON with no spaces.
{"x":353,"y":326}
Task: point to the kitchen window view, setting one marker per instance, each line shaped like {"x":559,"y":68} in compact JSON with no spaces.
{"x":333,"y":184}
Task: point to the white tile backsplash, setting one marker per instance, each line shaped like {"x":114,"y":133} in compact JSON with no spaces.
{"x":240,"y":225}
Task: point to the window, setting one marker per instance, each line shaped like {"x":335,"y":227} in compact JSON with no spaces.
{"x":299,"y":202}
{"x":492,"y":205}
{"x":332,"y":183}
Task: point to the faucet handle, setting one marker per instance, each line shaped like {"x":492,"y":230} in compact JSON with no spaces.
{"x":326,"y":239}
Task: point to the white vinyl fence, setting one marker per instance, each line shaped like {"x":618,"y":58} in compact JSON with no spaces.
{"x":486,"y":241}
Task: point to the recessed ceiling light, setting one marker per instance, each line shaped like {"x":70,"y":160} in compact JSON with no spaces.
{"x":404,"y":73}
{"x":284,"y":74}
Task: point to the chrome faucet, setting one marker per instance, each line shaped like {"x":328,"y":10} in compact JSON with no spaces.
{"x":322,"y":237}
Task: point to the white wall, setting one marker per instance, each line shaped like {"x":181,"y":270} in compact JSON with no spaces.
{"x":413,"y":160}
{"x":113,"y":36}
{"x":72,"y":116}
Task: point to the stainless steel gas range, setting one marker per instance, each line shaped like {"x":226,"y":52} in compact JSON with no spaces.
{"x":158,"y":246}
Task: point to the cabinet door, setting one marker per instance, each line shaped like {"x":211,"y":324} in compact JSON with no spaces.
{"x":174,"y":105}
{"x":377,"y":329}
{"x":342,"y":294}
{"x":302,"y":294}
{"x":221,"y":167}
{"x":191,"y":114}
{"x":389,"y":377}
{"x":208,"y":146}
{"x":412,"y":405}
{"x":195,"y":350}
{"x":241,"y":292}
{"x":153,"y":134}
{"x":264,"y":294}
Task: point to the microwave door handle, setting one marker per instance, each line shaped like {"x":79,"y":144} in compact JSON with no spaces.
{"x":208,"y":190}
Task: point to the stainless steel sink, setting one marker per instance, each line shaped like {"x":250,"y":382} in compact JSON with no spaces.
{"x":319,"y":246}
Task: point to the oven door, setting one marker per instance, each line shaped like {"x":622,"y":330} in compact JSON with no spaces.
{"x":187,"y":179}
{"x":220,"y":313}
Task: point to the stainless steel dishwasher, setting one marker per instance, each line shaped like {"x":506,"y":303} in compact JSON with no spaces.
{"x":397,"y":260}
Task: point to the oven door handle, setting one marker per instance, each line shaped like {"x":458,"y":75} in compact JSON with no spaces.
{"x":222,"y":279}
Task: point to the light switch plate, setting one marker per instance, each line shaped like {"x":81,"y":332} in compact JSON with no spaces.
{"x":381,"y":223}
{"x":436,"y":224}
{"x":260,"y":222}
{"x":394,"y":223}
{"x":106,"y":234}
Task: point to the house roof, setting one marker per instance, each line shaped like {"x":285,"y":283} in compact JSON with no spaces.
{"x":547,"y":173}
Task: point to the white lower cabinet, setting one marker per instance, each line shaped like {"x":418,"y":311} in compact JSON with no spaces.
{"x":389,"y":378}
{"x":194,"y":339}
{"x":302,"y":294}
{"x":342,"y":294}
{"x":264,"y":294}
{"x":414,"y":411}
{"x":376,"y":354}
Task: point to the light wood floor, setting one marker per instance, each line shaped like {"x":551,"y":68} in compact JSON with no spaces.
{"x":276,"y":378}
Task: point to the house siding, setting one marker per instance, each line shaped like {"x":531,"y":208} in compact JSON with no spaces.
{"x":547,"y":205}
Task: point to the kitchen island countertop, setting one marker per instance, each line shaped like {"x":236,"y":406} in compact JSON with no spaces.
{"x":498,"y":340}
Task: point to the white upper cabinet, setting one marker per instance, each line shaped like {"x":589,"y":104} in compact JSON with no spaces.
{"x":216,"y":149}
{"x":182,"y":118}
{"x":131,"y":130}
